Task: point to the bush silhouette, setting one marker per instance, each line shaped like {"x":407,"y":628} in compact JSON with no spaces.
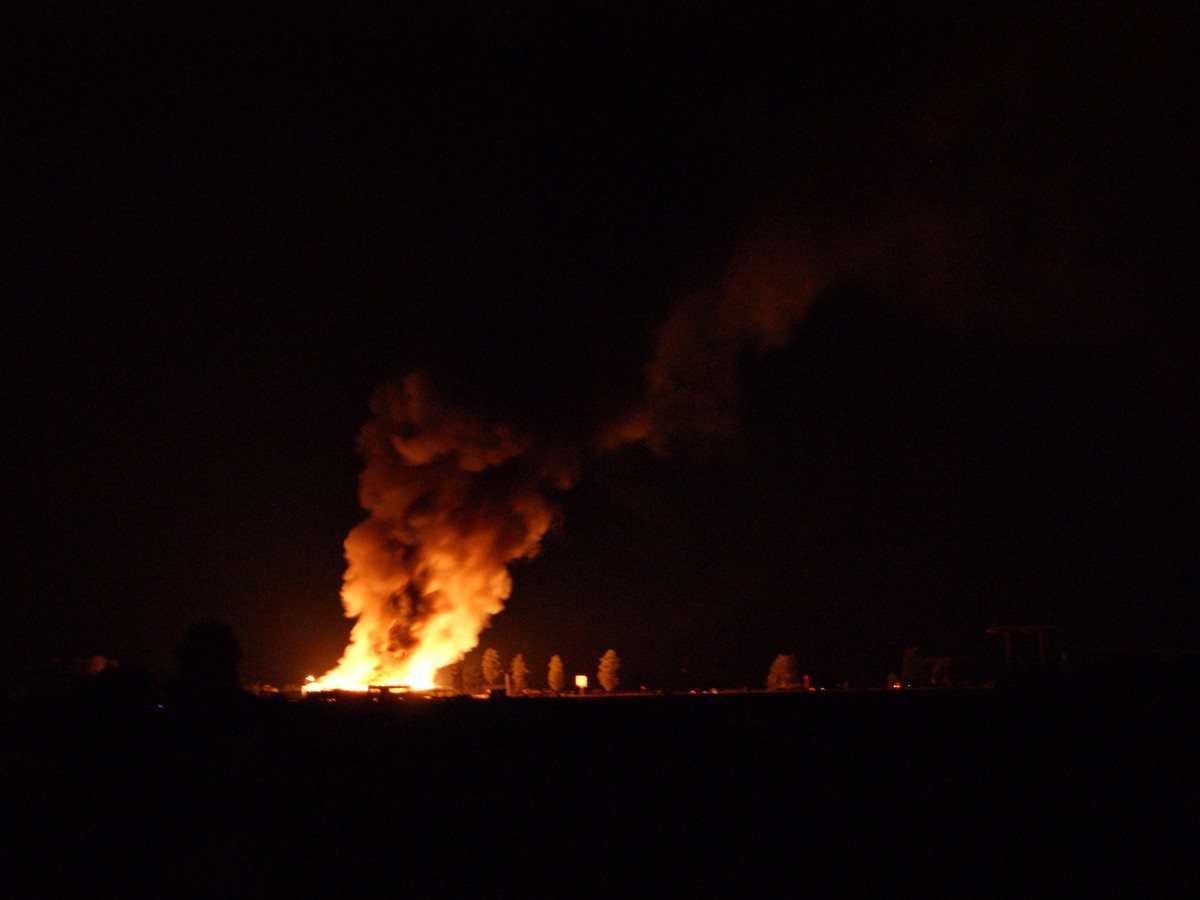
{"x":208,"y":659}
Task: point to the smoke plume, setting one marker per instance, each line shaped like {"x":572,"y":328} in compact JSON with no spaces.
{"x":451,"y":501}
{"x":692,"y":383}
{"x":453,"y":498}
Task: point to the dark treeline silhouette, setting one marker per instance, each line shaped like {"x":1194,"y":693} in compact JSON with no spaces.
{"x":208,"y":659}
{"x":206,"y":679}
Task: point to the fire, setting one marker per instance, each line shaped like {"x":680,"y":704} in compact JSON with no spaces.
{"x":452,"y":501}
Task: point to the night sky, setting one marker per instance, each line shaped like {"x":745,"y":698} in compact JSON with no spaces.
{"x":229,"y":227}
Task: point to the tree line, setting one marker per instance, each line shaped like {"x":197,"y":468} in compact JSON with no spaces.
{"x":490,"y":673}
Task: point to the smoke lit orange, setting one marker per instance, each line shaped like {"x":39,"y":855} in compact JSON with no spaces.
{"x":452,"y":501}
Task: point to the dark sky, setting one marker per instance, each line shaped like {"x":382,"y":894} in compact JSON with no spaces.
{"x":228,"y":227}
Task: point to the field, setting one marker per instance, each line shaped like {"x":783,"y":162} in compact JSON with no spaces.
{"x":819,"y":793}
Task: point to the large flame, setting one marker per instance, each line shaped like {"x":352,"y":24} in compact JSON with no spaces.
{"x":452,"y":501}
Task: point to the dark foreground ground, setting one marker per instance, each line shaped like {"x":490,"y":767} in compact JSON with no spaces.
{"x":817,"y":794}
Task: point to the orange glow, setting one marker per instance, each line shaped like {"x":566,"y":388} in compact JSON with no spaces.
{"x":452,"y":501}
{"x":581,"y":682}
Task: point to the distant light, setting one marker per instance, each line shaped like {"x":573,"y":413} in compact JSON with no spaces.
{"x":581,"y":682}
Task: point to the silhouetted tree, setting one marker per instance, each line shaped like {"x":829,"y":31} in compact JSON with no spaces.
{"x":520,"y":673}
{"x":451,"y":676}
{"x":782,"y":674}
{"x":208,"y":660}
{"x":610,"y":663}
{"x":555,"y":677}
{"x":491,"y":665}
{"x":472,"y":677}
{"x":915,"y":667}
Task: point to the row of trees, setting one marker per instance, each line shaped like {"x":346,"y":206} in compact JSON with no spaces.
{"x":518,"y":672}
{"x":782,"y":676}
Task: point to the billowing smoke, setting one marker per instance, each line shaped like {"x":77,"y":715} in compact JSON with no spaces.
{"x":948,"y":264}
{"x":452,"y":500}
{"x":692,"y":383}
{"x":970,"y":211}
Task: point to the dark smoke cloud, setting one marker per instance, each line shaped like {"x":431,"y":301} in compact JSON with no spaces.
{"x":982,"y":206}
{"x":995,"y":205}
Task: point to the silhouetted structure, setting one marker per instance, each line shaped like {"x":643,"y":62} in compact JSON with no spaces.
{"x":208,"y":659}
